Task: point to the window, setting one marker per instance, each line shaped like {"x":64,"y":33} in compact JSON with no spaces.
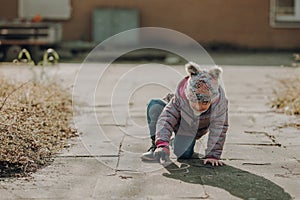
{"x":285,"y":13}
{"x":51,"y":10}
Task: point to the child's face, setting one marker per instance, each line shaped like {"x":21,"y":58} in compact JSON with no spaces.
{"x":199,"y":107}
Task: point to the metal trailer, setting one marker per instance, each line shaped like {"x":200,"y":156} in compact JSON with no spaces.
{"x":30,"y":35}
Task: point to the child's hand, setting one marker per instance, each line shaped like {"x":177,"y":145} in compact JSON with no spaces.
{"x":213,"y":162}
{"x":162,"y":154}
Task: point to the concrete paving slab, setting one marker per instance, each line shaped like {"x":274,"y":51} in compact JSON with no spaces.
{"x":66,"y":178}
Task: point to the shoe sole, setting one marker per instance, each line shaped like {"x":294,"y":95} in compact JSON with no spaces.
{"x":148,"y":159}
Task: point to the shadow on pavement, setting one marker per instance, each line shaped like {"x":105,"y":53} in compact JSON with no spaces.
{"x":237,"y":182}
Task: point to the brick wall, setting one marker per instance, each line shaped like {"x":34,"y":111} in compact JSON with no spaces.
{"x":239,"y":22}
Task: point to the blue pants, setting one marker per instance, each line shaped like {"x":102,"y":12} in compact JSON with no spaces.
{"x":183,"y":145}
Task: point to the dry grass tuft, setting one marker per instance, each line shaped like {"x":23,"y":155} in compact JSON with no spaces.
{"x":287,"y":96}
{"x":34,"y":125}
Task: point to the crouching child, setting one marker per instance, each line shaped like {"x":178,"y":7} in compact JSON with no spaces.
{"x":198,"y":107}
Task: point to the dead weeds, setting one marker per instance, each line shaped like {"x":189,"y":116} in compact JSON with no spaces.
{"x":287,"y":96}
{"x":34,"y":125}
{"x":287,"y":99}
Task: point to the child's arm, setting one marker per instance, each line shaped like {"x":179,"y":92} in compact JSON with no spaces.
{"x":217,"y":131}
{"x":167,"y":121}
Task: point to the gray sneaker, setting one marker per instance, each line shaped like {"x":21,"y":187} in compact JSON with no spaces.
{"x":149,"y":155}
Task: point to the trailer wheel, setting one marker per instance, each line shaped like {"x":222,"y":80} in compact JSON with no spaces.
{"x":12,"y":53}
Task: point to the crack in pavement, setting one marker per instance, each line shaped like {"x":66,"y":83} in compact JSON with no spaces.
{"x":87,"y":156}
{"x":119,"y":157}
{"x":251,"y":163}
{"x":117,"y":125}
{"x":290,"y":171}
{"x":296,"y":159}
{"x":206,"y":196}
{"x":287,"y":125}
{"x":256,"y":144}
{"x":233,"y":159}
{"x":251,"y":112}
{"x":287,"y":174}
{"x":271,"y":137}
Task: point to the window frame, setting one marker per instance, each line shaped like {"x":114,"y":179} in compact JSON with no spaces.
{"x":288,"y":21}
